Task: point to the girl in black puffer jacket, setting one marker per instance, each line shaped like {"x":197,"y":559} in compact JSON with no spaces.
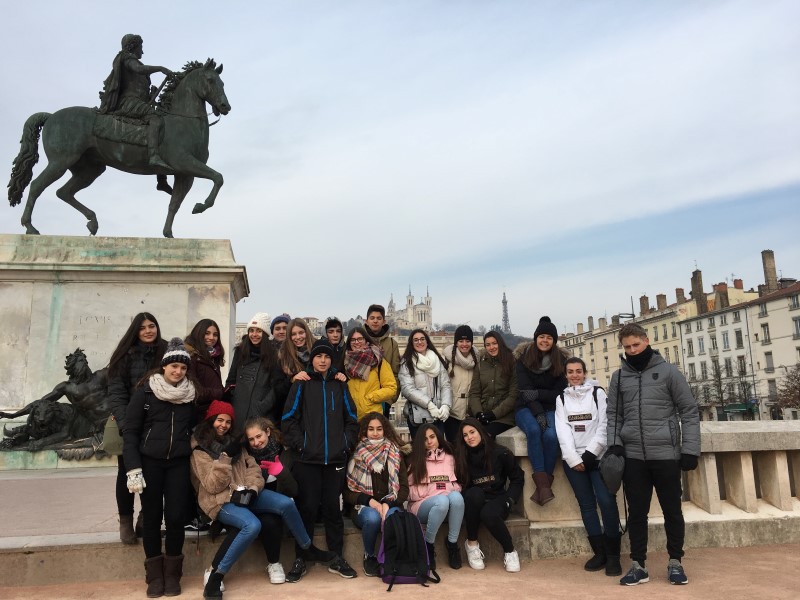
{"x":156,"y":451}
{"x":139,"y":350}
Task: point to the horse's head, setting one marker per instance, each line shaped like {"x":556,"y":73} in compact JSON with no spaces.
{"x":209,"y":87}
{"x":200,"y":81}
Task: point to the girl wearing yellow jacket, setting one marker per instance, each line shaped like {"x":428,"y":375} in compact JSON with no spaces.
{"x":370,"y":380}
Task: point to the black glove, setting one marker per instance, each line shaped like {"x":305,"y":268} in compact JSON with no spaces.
{"x":488,"y":417}
{"x":479,"y":416}
{"x":616,"y":450}
{"x":542,"y":421}
{"x":509,"y":503}
{"x":589,"y":460}
{"x":233,"y":448}
{"x":688,"y":462}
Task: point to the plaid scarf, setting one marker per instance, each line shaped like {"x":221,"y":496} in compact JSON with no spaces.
{"x":358,"y":363}
{"x":370,"y":458}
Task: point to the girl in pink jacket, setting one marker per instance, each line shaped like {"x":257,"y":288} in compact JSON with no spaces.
{"x":434,"y":492}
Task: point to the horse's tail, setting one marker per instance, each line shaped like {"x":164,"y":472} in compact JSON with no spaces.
{"x":22,"y":167}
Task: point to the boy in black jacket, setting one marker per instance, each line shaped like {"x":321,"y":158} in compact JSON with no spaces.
{"x":320,"y":426}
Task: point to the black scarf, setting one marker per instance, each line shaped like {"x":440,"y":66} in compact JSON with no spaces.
{"x":268,"y":452}
{"x":640,"y":361}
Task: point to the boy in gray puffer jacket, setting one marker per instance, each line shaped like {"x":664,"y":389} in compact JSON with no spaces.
{"x":653,"y":421}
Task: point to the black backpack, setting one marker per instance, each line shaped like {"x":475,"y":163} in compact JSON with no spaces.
{"x":403,"y":555}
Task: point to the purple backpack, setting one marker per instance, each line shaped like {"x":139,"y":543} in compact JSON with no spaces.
{"x":403,"y":554}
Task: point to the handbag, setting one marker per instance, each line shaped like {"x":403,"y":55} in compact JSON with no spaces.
{"x":112,"y":438}
{"x":612,"y":466}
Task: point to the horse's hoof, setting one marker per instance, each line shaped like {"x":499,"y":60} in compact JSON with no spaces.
{"x":198,"y":208}
{"x":31,"y":230}
{"x":92,"y":227}
{"x":167,"y":234}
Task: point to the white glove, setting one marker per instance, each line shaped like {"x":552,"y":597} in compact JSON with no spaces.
{"x":444,"y":412}
{"x":136,"y":482}
{"x":433,"y":409}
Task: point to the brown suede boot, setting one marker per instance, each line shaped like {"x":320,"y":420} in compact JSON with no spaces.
{"x":173,"y":571}
{"x":543,"y":485}
{"x":154,"y":576}
{"x":535,"y":494}
{"x":126,"y":533}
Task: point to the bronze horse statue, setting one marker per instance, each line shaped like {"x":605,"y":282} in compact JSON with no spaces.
{"x":71,"y":142}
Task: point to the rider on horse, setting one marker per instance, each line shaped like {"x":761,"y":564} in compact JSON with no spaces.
{"x":127,"y":93}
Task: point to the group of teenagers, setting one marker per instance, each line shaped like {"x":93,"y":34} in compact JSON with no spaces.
{"x":299,"y":433}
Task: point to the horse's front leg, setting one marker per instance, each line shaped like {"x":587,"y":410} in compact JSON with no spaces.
{"x":189,"y":165}
{"x":180,"y":188}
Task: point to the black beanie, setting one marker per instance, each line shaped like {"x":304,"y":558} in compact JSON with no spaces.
{"x":546,"y":327}
{"x":176,"y":353}
{"x":321,"y":346}
{"x":463,"y":332}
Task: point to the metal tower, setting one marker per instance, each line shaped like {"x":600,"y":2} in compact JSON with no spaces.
{"x":506,"y":325}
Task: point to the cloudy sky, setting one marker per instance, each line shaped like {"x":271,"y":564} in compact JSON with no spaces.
{"x":572,"y":154}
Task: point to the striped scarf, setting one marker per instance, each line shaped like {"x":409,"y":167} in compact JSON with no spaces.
{"x":370,"y":458}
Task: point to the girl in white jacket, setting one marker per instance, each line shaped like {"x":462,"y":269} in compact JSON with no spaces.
{"x":581,"y":428}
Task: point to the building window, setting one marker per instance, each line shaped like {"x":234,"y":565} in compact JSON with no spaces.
{"x":689,"y":348}
{"x":692,"y":372}
{"x":591,"y":347}
{"x":728,"y":367}
{"x":706,"y":394}
{"x":772,"y":390}
{"x":655,"y":333}
{"x":664,"y":329}
{"x":592,"y":365}
{"x":762,"y":310}
{"x":666,"y":354}
{"x":606,"y":359}
{"x":674,"y":330}
{"x":769,"y":364}
{"x":794,"y":302}
{"x":710,"y":322}
{"x":726,"y":342}
{"x":699,"y":325}
{"x":796,"y":322}
{"x":688,"y":328}
{"x":736,"y":316}
{"x":703,"y":370}
{"x":605,"y":345}
{"x":580,"y":352}
{"x":765,"y":334}
{"x":677,"y":356}
{"x":701,"y":345}
{"x":739,"y":339}
{"x":714,"y":342}
{"x":723,"y":319}
{"x":741,"y":365}
{"x":715,"y":372}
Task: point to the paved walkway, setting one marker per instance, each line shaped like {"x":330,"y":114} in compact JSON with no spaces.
{"x":39,"y":504}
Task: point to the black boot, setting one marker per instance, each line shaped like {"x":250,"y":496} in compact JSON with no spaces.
{"x":598,"y":561}
{"x":154,"y":576}
{"x":173,"y":571}
{"x":126,"y":533}
{"x":453,"y":554}
{"x":613,"y":568}
{"x":431,"y":556}
{"x":213,"y":587}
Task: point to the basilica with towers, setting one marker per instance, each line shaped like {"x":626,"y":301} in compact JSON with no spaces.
{"x":410,"y":316}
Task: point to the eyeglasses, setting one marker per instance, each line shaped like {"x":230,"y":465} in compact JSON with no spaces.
{"x":418,"y":340}
{"x":356,"y":339}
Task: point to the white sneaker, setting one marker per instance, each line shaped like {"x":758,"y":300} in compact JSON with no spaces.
{"x":474,"y":556}
{"x":207,"y":574}
{"x":511,"y":561}
{"x":275,"y":572}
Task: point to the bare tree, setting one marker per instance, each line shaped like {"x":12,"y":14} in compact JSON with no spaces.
{"x":789,"y":390}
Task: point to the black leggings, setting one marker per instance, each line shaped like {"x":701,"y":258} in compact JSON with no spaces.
{"x":492,"y":512}
{"x":165,"y":497}
{"x":124,"y":497}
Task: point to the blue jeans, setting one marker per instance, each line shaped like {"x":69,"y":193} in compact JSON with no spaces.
{"x":369,"y":522}
{"x":591,"y":492}
{"x":542,"y":445}
{"x":249,"y":525}
{"x":433,"y":510}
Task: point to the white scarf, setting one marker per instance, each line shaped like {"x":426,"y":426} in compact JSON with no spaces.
{"x":183,"y":393}
{"x":465,"y":362}
{"x":428,"y":363}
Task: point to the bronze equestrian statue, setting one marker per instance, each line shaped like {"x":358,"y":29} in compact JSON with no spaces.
{"x":127,"y":133}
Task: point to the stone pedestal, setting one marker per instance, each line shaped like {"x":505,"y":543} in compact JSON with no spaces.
{"x":59,"y":293}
